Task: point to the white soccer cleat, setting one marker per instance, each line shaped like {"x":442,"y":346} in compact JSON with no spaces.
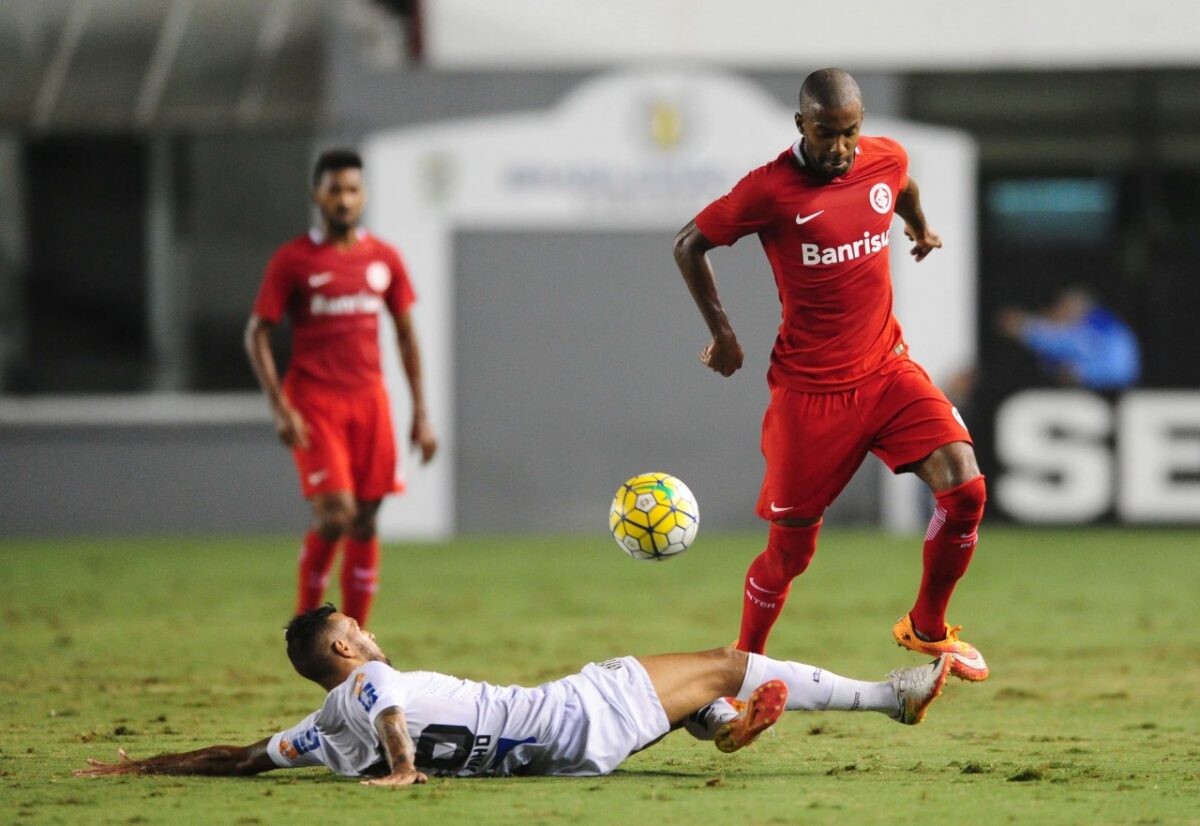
{"x":917,"y":687}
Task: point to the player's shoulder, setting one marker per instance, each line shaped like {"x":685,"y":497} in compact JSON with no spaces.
{"x":293,"y":250}
{"x":767,"y":178}
{"x":882,"y":147}
{"x":375,"y":670}
{"x":297,"y":244}
{"x":379,"y":246}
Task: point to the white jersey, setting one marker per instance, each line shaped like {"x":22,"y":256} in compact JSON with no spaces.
{"x":581,"y":725}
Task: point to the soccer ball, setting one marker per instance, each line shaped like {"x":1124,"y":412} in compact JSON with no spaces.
{"x":654,"y":516}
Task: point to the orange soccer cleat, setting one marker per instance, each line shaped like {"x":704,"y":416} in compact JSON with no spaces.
{"x":966,"y":662}
{"x":764,"y":707}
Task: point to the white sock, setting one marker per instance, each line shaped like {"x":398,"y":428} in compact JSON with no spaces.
{"x":815,"y":689}
{"x":704,"y":723}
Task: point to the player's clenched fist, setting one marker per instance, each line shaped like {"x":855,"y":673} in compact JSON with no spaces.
{"x":289,"y":424}
{"x":722,"y":355}
{"x":924,"y":242}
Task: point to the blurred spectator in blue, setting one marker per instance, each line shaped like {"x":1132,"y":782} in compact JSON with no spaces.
{"x":1078,"y":341}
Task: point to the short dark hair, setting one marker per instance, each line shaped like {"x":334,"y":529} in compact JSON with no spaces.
{"x":829,"y":88}
{"x":306,"y":642}
{"x":331,"y":160}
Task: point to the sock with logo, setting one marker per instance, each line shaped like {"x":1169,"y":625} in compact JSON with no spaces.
{"x":316,"y":558}
{"x":949,"y":546}
{"x":769,"y":578}
{"x":815,"y":689}
{"x":360,"y":572}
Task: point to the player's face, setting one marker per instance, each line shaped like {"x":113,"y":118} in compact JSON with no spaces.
{"x":830,"y":136}
{"x":363,"y":640}
{"x":339,"y":196}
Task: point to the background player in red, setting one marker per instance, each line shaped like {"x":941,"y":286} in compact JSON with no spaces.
{"x":332,"y":409}
{"x":841,"y":379}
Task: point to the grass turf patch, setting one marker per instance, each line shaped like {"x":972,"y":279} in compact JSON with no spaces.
{"x":1092,"y":712}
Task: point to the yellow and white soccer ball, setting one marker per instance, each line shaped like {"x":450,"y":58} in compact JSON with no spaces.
{"x":654,"y":516}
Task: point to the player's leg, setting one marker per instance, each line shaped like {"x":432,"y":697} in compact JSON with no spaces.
{"x":812,"y":444}
{"x":688,"y":683}
{"x":325,"y":483}
{"x":372,"y":448}
{"x":925,"y":435}
{"x":360,"y":562}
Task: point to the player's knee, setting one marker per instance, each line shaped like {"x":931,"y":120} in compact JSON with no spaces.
{"x":335,"y":518}
{"x":362,"y":528}
{"x":790,"y":548}
{"x":965,"y":501}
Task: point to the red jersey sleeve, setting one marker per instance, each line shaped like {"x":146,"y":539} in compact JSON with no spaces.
{"x":400,"y":295}
{"x":276,"y":289}
{"x":747,"y":208}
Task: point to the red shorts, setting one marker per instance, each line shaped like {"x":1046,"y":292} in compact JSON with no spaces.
{"x":350,"y":442}
{"x":814,"y":442}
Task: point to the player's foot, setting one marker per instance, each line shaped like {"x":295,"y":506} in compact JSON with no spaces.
{"x":966,"y":663}
{"x":703,"y":724}
{"x":764,"y":707}
{"x":917,"y":688}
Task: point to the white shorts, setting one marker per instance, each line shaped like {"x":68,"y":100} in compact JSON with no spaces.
{"x":611,"y":711}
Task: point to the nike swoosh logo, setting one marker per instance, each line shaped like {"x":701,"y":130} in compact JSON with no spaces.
{"x":320,"y":279}
{"x":318,"y":477}
{"x":805,"y":219}
{"x":781,"y":510}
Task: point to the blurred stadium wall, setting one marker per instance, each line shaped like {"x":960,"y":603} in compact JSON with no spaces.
{"x":154,"y":152}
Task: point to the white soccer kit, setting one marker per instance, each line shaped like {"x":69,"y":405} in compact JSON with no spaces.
{"x":585,"y":724}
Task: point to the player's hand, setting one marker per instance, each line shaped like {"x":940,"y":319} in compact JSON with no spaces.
{"x":289,"y":424}
{"x":404,"y":777}
{"x":724,"y":355}
{"x":96,"y":768}
{"x":923,"y":242}
{"x":423,"y":439}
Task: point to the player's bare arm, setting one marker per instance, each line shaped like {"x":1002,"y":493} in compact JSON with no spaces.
{"x":421,"y":435}
{"x":723,"y":354}
{"x":288,"y":422}
{"x":398,"y":746}
{"x":217,"y":761}
{"x":908,"y":207}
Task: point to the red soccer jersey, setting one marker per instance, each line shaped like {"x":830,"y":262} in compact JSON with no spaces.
{"x":333,"y":297}
{"x":827,"y":241}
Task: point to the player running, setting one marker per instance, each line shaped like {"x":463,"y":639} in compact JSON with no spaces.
{"x":332,"y":408}
{"x":399,"y":727}
{"x":841,"y":379}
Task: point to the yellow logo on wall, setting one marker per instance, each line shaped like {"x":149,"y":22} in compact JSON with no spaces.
{"x":666,"y":125}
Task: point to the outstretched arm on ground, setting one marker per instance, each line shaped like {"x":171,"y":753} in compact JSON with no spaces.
{"x":214,"y":760}
{"x":723,"y":354}
{"x":908,"y":207}
{"x":401,"y":753}
{"x":421,"y":435}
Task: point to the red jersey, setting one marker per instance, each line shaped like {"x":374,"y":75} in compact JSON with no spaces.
{"x":333,"y":297}
{"x":827,"y":241}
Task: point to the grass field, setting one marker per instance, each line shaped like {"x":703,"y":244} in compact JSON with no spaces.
{"x":1092,"y":714}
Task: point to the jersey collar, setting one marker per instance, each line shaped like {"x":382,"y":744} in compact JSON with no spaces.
{"x":317,"y":235}
{"x":798,"y":154}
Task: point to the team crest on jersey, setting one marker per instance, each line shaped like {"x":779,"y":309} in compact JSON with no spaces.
{"x":379,"y":276}
{"x":880,"y":198}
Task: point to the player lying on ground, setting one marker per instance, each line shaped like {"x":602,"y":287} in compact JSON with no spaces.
{"x":398,"y":727}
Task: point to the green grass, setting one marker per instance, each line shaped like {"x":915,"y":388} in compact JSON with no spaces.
{"x":1092,"y":714}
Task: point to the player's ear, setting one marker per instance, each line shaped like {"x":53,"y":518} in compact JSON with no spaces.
{"x":342,"y":648}
{"x":800,"y":123}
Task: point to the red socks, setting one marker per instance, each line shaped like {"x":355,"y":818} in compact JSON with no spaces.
{"x":769,"y":578}
{"x":949,"y":546}
{"x":360,"y":570}
{"x":316,"y":558}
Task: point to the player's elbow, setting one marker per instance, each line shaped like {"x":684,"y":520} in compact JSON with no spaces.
{"x":254,"y":328}
{"x":687,"y":245}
